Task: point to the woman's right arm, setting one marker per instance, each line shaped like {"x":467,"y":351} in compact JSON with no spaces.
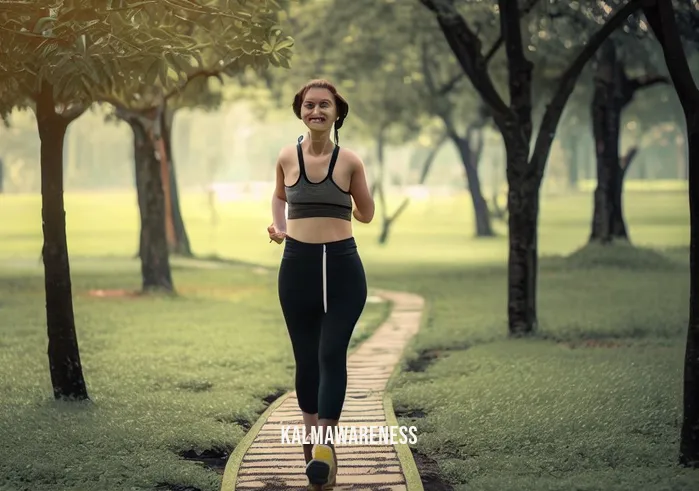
{"x":279,"y":199}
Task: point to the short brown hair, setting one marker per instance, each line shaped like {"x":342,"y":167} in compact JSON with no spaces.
{"x":340,"y":102}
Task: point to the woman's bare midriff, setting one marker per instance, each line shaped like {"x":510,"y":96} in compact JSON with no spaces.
{"x":318,"y":230}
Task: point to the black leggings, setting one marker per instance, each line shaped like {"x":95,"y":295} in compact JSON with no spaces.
{"x":322,"y":291}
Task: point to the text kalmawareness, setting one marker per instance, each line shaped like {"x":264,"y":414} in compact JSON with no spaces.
{"x":360,"y":435}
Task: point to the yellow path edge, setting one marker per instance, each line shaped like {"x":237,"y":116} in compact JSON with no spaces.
{"x":230,"y":473}
{"x":413,"y":481}
{"x":405,"y":456}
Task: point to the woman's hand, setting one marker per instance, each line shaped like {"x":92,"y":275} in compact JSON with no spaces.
{"x":275,"y":235}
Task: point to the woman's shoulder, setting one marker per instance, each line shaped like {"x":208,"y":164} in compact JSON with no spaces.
{"x":350,"y":157}
{"x":286,"y":154}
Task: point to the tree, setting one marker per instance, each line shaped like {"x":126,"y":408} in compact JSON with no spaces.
{"x":662,"y":19}
{"x":614,"y":90}
{"x":514,"y":120}
{"x":449,"y":100}
{"x":195,"y":91}
{"x":58,"y":61}
{"x":469,"y":144}
{"x":197,"y":95}
{"x":624,"y":65}
{"x":37,"y":45}
{"x":384,"y":99}
{"x":227,"y":47}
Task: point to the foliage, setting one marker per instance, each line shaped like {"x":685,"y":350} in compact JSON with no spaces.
{"x":364,"y":49}
{"x":89,"y":51}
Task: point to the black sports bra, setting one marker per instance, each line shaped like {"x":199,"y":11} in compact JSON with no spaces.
{"x":307,"y":199}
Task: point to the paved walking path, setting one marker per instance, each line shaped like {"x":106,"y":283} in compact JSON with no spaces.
{"x":262,"y":462}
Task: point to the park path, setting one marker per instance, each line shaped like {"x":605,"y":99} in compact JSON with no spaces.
{"x":263,"y":462}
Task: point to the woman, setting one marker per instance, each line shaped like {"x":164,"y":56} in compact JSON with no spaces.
{"x":322,"y":286}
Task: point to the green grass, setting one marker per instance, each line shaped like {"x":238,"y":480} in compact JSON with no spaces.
{"x":593,"y":402}
{"x":166,"y":375}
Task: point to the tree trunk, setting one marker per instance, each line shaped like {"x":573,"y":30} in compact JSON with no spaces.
{"x":613,"y":92}
{"x":385,"y":229}
{"x":661,"y":18}
{"x":606,"y":125}
{"x":571,"y":151}
{"x":379,"y":187}
{"x":523,"y":213}
{"x":619,"y":229}
{"x":429,"y":160}
{"x":588,"y":163}
{"x":480,"y":206}
{"x":163,"y":160}
{"x":689,"y":446}
{"x":155,"y":262}
{"x":140,"y":177}
{"x":682,"y":158}
{"x":618,"y":224}
{"x":386,"y":219}
{"x":181,"y":244}
{"x":64,"y":355}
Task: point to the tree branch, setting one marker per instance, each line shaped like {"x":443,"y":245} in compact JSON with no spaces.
{"x":71,"y":112}
{"x":399,"y":210}
{"x":661,"y":17}
{"x":474,"y":137}
{"x":449,"y":86}
{"x":566,"y":85}
{"x":467,"y":48}
{"x":648,"y":81}
{"x":435,"y":96}
{"x":626,"y":160}
{"x":193,"y":76}
{"x":430,"y":158}
{"x":519,"y":67}
{"x":153,"y":106}
{"x":498,"y":43}
{"x":494,"y":49}
{"x":631,"y":86}
{"x":489,"y":55}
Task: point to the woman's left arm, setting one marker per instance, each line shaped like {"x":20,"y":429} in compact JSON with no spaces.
{"x":359,"y":189}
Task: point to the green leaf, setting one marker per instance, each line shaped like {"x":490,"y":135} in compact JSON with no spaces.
{"x":43,"y":24}
{"x":163,"y":73}
{"x":177,"y":63}
{"x":285,"y":43}
{"x":283,"y":61}
{"x":81,"y":44}
{"x":152,"y":73}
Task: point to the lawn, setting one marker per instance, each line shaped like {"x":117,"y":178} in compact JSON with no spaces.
{"x":593,"y":402}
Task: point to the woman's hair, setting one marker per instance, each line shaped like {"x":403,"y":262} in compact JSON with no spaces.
{"x":340,"y":102}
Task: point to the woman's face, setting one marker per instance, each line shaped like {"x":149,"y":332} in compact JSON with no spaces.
{"x":318,"y":110}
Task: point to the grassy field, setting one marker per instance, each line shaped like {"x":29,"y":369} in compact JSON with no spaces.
{"x":591,"y":403}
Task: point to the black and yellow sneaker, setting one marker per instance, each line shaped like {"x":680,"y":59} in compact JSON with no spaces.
{"x":322,"y":469}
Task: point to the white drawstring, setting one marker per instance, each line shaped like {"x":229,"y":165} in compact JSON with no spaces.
{"x":325,"y":280}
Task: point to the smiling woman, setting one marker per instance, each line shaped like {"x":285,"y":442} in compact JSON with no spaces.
{"x":333,"y":108}
{"x":322,"y":284}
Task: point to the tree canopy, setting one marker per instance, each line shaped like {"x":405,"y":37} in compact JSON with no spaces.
{"x":110,"y":50}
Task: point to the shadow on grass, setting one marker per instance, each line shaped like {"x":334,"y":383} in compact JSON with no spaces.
{"x":619,"y":256}
{"x":428,"y":468}
{"x":175,"y":487}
